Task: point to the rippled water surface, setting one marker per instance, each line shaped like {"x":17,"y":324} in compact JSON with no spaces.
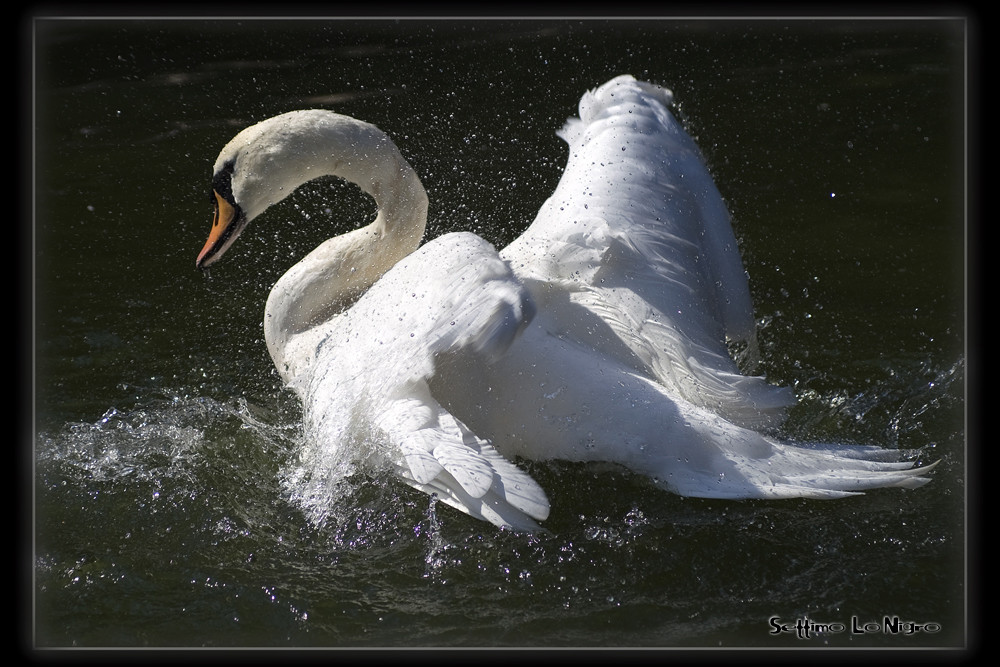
{"x":164,"y":452}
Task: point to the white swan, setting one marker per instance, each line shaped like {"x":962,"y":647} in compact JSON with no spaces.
{"x":598,"y":335}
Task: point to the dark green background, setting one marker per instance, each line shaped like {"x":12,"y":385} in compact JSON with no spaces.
{"x":163,"y":437}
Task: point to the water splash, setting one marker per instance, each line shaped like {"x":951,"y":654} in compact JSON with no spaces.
{"x":435,"y":559}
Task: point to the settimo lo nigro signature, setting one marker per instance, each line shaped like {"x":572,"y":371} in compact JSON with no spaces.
{"x":804,"y":628}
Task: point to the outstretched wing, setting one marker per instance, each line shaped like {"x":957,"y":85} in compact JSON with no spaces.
{"x":452,"y":296}
{"x":637,"y":233}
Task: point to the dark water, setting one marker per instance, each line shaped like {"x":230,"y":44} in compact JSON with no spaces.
{"x":163,"y":440}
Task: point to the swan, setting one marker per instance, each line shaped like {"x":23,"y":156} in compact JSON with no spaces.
{"x":600,"y":334}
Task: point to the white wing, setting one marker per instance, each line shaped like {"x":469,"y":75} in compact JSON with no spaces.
{"x":453,"y":296}
{"x":637,"y":233}
{"x":441,"y":456}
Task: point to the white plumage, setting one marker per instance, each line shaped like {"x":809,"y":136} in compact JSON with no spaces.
{"x":598,"y":335}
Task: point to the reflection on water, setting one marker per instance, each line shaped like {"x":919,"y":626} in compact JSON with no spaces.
{"x":165,"y":468}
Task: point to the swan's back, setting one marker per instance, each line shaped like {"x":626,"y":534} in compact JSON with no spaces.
{"x":637,"y":233}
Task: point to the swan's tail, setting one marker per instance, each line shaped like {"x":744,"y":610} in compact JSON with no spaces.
{"x":760,"y":467}
{"x":837,"y":472}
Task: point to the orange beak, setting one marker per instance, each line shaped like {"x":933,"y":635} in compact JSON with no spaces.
{"x":226,"y":226}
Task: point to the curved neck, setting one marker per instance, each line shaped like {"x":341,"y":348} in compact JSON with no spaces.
{"x":334,"y":275}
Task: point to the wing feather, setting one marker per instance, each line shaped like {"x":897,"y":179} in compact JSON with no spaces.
{"x":637,"y":233}
{"x":453,"y":296}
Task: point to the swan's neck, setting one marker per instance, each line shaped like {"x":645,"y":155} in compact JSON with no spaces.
{"x":334,"y":275}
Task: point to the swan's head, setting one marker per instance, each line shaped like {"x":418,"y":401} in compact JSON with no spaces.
{"x":260,"y":166}
{"x":266,"y":162}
